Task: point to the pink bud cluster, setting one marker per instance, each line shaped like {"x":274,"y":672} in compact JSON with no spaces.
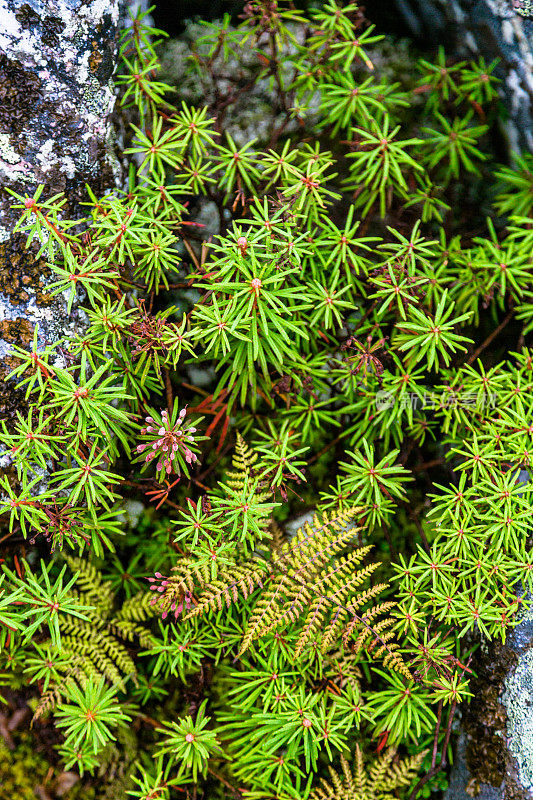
{"x":167,"y":440}
{"x":161,"y":584}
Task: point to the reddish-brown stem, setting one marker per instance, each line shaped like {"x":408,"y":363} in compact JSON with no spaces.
{"x":418,"y":524}
{"x":436,"y":738}
{"x":168,"y":389}
{"x":490,"y":338}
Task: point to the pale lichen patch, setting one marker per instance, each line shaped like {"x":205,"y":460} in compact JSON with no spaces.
{"x":518,"y":701}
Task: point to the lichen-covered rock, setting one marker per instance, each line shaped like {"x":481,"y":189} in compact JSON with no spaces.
{"x":57,"y":59}
{"x":494,"y":758}
{"x":517,"y":700}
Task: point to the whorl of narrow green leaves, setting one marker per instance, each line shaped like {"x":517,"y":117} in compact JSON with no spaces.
{"x":90,"y":716}
{"x":44,"y":601}
{"x":431,"y":339}
{"x":378,"y":164}
{"x":189,"y":742}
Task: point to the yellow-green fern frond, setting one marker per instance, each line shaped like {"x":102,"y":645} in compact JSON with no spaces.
{"x":379,"y":780}
{"x":95,"y":647}
{"x":242,"y":464}
{"x":138,"y":608}
{"x":131,"y":631}
{"x":313,"y":577}
{"x":91,"y":584}
{"x":308,"y":578}
{"x":237,"y":581}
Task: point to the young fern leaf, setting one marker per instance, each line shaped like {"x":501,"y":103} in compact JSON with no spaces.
{"x":242,"y":462}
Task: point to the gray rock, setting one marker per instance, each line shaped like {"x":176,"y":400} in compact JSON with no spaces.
{"x":490,"y":28}
{"x":57,"y":59}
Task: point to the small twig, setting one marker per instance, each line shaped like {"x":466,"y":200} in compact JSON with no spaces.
{"x":211,"y":467}
{"x":436,"y":769}
{"x":201,"y":485}
{"x":191,"y":253}
{"x":436,"y":739}
{"x":448,"y":732}
{"x":436,"y":462}
{"x":226,"y":783}
{"x":150,"y":720}
{"x":330,"y":444}
{"x":423,"y":536}
{"x":490,"y":338}
{"x":422,"y":782}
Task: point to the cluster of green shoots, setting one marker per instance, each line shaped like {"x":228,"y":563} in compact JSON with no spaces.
{"x":341,"y":314}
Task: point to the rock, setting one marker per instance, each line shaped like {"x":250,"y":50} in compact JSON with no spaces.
{"x":57,"y":59}
{"x":492,"y":29}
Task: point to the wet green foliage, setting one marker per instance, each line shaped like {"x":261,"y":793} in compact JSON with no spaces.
{"x":330,"y":337}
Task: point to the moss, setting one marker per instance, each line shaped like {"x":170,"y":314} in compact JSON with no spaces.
{"x":20,"y":770}
{"x":24,"y":768}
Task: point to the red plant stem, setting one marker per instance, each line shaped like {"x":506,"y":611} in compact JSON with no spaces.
{"x":437,"y":768}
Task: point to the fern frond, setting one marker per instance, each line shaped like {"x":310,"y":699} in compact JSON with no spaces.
{"x":233,"y":582}
{"x":130,"y":631}
{"x":188,"y":574}
{"x":342,"y":619}
{"x":379,"y":781}
{"x":360,"y":777}
{"x":374,"y":637}
{"x":310,"y":574}
{"x":138,"y":608}
{"x":91,"y":584}
{"x":102,"y":657}
{"x":309,"y":577}
{"x":94,"y":647}
{"x":47,"y":702}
